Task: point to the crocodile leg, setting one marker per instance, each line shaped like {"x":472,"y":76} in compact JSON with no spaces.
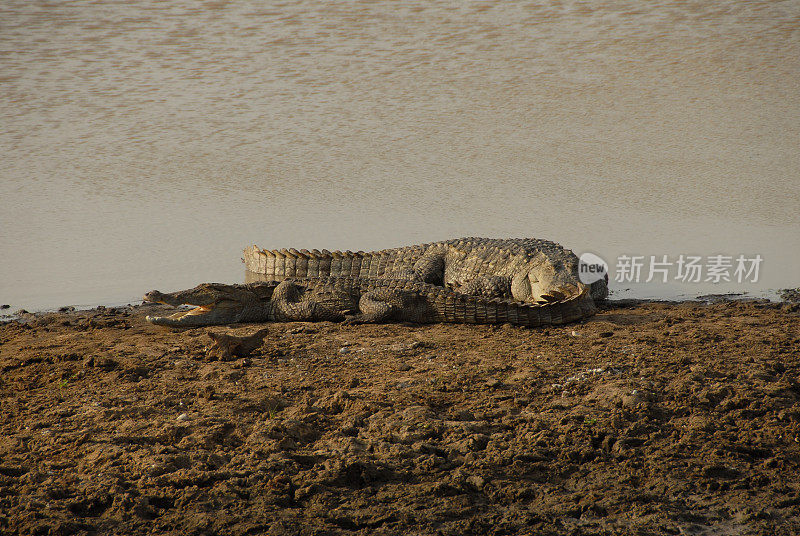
{"x":291,"y":306}
{"x":430,"y":269}
{"x":377,"y":306}
{"x":286,"y":300}
{"x":488,"y":287}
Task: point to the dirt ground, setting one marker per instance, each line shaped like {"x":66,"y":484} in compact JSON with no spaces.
{"x":650,"y":418}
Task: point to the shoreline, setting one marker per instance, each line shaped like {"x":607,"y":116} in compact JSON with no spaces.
{"x":787,"y":295}
{"x":646,"y":418}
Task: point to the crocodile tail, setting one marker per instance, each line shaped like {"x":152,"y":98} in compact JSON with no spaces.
{"x":277,"y":264}
{"x":469,"y":309}
{"x":269,"y":265}
{"x":576,"y":305}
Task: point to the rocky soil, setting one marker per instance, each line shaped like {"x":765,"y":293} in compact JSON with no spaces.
{"x":648,"y":419}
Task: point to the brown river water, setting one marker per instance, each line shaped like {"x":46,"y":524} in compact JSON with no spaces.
{"x":144,"y":144}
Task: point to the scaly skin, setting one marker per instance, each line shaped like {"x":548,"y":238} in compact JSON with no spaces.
{"x":522,"y":269}
{"x":359,"y":300}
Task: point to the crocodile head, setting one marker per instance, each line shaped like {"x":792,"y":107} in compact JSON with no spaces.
{"x":214,"y":304}
{"x":545,"y":280}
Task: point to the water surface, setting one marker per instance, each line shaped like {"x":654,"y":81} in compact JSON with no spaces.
{"x":146,"y":143}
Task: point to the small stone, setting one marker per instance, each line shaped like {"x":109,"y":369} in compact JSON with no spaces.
{"x":405,"y":347}
{"x":607,"y":334}
{"x":183,"y":417}
{"x":574,"y":333}
{"x":5,"y":306}
{"x":344,"y":350}
{"x":403,"y":367}
{"x":493,"y":383}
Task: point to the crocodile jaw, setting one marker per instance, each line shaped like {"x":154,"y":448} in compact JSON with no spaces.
{"x":197,"y":317}
{"x":207,"y":312}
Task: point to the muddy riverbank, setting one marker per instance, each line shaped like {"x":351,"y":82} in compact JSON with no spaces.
{"x":650,"y":418}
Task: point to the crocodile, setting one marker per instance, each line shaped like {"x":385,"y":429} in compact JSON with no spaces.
{"x":522,"y":269}
{"x":361,"y":300}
